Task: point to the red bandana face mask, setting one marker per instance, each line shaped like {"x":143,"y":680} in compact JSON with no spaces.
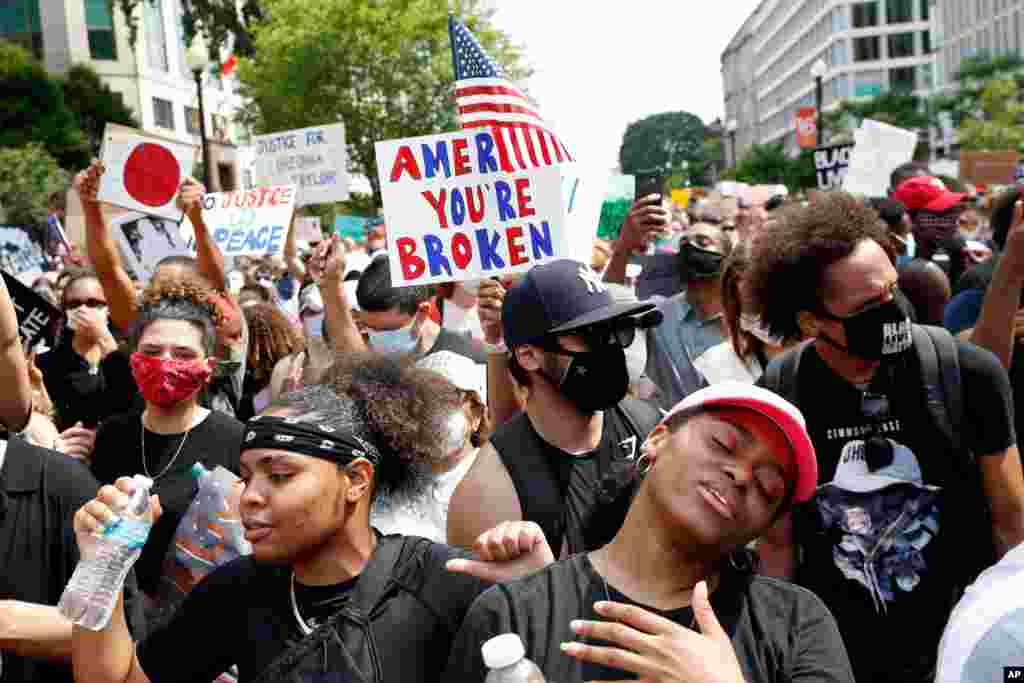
{"x":166,"y":382}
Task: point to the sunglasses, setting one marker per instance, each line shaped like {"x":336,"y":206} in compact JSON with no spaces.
{"x":88,"y":303}
{"x":619,"y":333}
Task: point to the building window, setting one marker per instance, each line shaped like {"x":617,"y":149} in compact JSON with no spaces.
{"x":839,"y":56}
{"x":901,"y":45}
{"x":20,"y":24}
{"x":192,"y":121}
{"x":163,"y":113}
{"x":925,"y":10}
{"x":926,"y":42}
{"x":156,"y":39}
{"x":866,"y":49}
{"x":100,"y":25}
{"x":899,"y":11}
{"x":839,"y":20}
{"x":902,"y":80}
{"x":865,"y":14}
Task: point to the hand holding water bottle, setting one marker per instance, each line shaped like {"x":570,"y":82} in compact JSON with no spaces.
{"x":111,"y":531}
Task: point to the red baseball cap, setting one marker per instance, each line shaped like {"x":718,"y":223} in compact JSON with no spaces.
{"x":784,"y":414}
{"x":928,"y":193}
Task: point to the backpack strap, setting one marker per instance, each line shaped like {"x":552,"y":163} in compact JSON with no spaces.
{"x":641,"y":417}
{"x":940,"y":373}
{"x":782,"y":372}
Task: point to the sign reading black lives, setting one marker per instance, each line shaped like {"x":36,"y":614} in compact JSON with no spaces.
{"x":38,"y":320}
{"x":1013,"y":673}
{"x":831,"y":163}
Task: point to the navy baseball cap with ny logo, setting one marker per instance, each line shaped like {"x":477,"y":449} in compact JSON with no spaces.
{"x":557,"y":298}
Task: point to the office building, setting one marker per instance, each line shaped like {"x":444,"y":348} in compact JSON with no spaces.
{"x":868,"y":48}
{"x":968,"y":28}
{"x":153,"y":78}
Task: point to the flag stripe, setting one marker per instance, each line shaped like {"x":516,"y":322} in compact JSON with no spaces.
{"x":496,"y":108}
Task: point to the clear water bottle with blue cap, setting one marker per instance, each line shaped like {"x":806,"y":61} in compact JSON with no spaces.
{"x":91,"y":595}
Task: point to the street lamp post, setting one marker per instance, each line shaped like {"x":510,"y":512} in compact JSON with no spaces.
{"x":731,"y":128}
{"x":198,"y":60}
{"x":818,"y":71}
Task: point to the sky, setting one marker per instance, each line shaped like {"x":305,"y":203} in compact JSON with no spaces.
{"x":601,"y":65}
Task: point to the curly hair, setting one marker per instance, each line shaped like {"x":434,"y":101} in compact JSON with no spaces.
{"x":271,"y":338}
{"x":403,"y":410}
{"x":788,"y":264}
{"x":186,"y":298}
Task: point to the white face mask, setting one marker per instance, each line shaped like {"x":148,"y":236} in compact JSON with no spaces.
{"x":103,"y":312}
{"x":393,"y":341}
{"x":456,"y":318}
{"x":753,"y":325}
{"x":313,"y":325}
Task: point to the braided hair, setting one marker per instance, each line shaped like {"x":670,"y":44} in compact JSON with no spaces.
{"x":271,"y":338}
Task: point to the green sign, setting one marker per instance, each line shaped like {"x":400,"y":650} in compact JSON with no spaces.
{"x":867,"y":89}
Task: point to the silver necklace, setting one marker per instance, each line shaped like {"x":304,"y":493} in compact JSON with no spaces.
{"x":145,"y":468}
{"x":305,"y":627}
{"x":608,"y":597}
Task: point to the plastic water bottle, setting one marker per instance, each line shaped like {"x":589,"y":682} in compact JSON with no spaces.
{"x":505,"y":656}
{"x":211,"y":532}
{"x":91,"y":595}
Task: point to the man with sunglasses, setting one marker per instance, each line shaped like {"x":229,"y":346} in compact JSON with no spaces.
{"x":693,"y":317}
{"x":915,"y":494}
{"x":559,"y":462}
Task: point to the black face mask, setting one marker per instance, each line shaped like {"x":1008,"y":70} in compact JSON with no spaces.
{"x":595,"y":380}
{"x":879,"y":333}
{"x":699,"y":264}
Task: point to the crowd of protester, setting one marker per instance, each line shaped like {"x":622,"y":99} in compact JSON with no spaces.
{"x":796,"y":462}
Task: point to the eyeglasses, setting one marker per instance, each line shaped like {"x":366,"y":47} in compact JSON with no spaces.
{"x":892,"y":290}
{"x":619,"y":333}
{"x":88,"y":303}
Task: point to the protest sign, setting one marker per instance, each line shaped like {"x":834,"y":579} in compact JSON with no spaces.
{"x":681,"y":198}
{"x":144,"y":241}
{"x":143,"y":174}
{"x":250,"y":222}
{"x":989,"y":168}
{"x":452,"y":214}
{"x":39,"y":322}
{"x":831,"y":162}
{"x":20,"y":255}
{"x":353,"y":227}
{"x":313,"y":159}
{"x":878,"y":149}
{"x":307,"y":229}
{"x":807,"y":127}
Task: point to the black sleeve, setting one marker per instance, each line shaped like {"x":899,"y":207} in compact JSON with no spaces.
{"x":107,"y":451}
{"x":197,"y":643}
{"x":490,"y":615}
{"x":819,"y":654}
{"x":988,"y":401}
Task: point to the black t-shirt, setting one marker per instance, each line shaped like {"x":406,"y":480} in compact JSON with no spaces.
{"x":780,"y":632}
{"x":83,"y":394}
{"x":214,"y":441}
{"x":41,"y":492}
{"x":242,"y":614}
{"x":570,"y":496}
{"x":459,"y":344}
{"x":886,"y":555}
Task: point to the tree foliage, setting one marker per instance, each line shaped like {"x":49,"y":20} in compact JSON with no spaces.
{"x":93,"y":104}
{"x":28,"y":176}
{"x":384,"y":68}
{"x":222,"y":22}
{"x":974,"y":74}
{"x":668,"y":143}
{"x":999,"y":128}
{"x":769,"y":165}
{"x":899,"y":109}
{"x":33,"y":110}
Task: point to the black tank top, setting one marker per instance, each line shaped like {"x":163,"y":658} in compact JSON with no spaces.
{"x":578,"y":498}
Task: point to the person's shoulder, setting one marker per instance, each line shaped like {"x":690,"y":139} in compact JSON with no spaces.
{"x":64,"y":478}
{"x":977,"y":360}
{"x":514,"y":426}
{"x":245,"y":573}
{"x":785,"y":598}
{"x":225,"y":426}
{"x":121,"y":422}
{"x":459,"y":344}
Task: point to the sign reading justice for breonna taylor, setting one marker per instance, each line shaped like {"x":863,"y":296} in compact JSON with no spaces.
{"x":453,"y":214}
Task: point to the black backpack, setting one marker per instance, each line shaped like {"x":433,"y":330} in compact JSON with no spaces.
{"x":939,"y":364}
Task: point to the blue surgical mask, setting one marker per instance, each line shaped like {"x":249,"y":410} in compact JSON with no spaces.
{"x":910,"y":247}
{"x":393,"y":341}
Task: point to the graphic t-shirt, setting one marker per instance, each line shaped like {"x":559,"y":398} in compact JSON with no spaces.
{"x":780,"y":632}
{"x":884,"y":539}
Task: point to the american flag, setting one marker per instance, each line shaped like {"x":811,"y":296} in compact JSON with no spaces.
{"x":486,"y":98}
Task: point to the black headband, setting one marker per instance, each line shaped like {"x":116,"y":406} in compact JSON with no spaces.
{"x":308,"y":438}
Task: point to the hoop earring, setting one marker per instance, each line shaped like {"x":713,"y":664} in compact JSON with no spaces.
{"x":644,"y":463}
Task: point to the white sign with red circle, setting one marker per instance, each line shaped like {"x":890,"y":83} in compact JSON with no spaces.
{"x":144,"y":175}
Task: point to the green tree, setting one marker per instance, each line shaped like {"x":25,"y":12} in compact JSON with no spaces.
{"x":974,"y":75}
{"x":668,"y":143}
{"x":763,"y":165}
{"x":33,"y":110}
{"x":93,"y":104}
{"x":384,"y":68}
{"x":28,"y":176}
{"x":999,"y":128}
{"x":221,"y":22}
{"x":899,"y":109}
